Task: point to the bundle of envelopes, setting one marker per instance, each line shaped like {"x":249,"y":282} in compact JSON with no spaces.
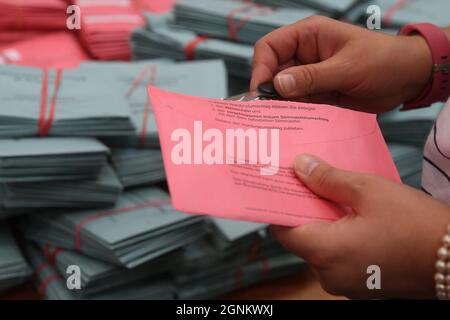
{"x":56,"y":50}
{"x":332,"y":7}
{"x":141,"y":227}
{"x":50,"y":159}
{"x":98,"y":276}
{"x":53,"y":286}
{"x":411,"y":127}
{"x":63,"y":103}
{"x":240,"y":21}
{"x":14,"y":269}
{"x":200,"y":78}
{"x":138,"y":166}
{"x":408,"y":160}
{"x":396,"y":14}
{"x":100,"y":191}
{"x":8,"y":37}
{"x":106,"y":27}
{"x":33,"y":14}
{"x":204,"y":273}
{"x":229,"y":236}
{"x":186,"y":45}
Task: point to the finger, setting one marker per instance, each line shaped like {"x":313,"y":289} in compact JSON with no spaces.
{"x":271,"y":51}
{"x":344,"y":187}
{"x":308,"y":241}
{"x":311,"y":79}
{"x":298,"y":41}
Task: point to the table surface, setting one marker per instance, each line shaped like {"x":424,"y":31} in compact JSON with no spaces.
{"x":300,"y":286}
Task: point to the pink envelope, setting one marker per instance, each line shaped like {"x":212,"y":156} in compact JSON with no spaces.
{"x":260,"y":190}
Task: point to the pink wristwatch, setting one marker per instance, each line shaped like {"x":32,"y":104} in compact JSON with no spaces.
{"x":439,"y":87}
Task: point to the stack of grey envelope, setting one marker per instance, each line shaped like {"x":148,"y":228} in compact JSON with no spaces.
{"x":141,"y":227}
{"x":81,"y":103}
{"x":14,"y":270}
{"x":204,"y":274}
{"x":98,"y":276}
{"x":174,"y":43}
{"x":396,"y":14}
{"x":100,"y":191}
{"x":335,"y":8}
{"x":130,"y":80}
{"x":52,"y":284}
{"x":50,"y":159}
{"x":136,"y":167}
{"x":410,"y":127}
{"x":408,"y":160}
{"x":235,"y":20}
{"x":229,"y":236}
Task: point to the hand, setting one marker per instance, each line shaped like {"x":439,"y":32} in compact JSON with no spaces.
{"x":391,"y":225}
{"x":322,"y":60}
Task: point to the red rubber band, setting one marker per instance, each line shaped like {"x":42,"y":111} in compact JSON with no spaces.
{"x":392,"y":10}
{"x":45,"y":124}
{"x":46,"y":282}
{"x":235,"y":26}
{"x":189,"y":50}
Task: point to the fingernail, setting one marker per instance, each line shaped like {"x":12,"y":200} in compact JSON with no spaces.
{"x":287,"y":83}
{"x":305,"y":164}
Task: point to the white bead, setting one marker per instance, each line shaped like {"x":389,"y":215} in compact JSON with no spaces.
{"x":447,"y":267}
{"x":439,"y":278}
{"x":442,"y":253}
{"x":447,"y":279}
{"x":441,"y":295}
{"x":446,"y":240}
{"x":440,"y":266}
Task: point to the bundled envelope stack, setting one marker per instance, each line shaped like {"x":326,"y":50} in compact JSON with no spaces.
{"x":54,"y":159}
{"x":396,"y":14}
{"x":141,"y":227}
{"x":99,"y":276}
{"x":33,"y":14}
{"x":59,"y":103}
{"x":137,"y":167}
{"x":186,"y":45}
{"x":158,"y":7}
{"x":106,"y":27}
{"x":100,"y":191}
{"x":56,"y":50}
{"x":332,"y":7}
{"x":14,"y":270}
{"x":55,"y":172}
{"x":137,"y":158}
{"x":51,"y":284}
{"x":8,"y":37}
{"x":240,"y":21}
{"x":199,"y":78}
{"x":245,"y":256}
{"x":410,"y":127}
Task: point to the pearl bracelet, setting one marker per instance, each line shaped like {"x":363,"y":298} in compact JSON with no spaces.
{"x":442,"y":276}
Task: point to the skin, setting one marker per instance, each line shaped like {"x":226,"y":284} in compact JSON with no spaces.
{"x":390,"y":225}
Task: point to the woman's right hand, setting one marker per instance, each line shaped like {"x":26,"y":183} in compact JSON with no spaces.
{"x":322,"y":60}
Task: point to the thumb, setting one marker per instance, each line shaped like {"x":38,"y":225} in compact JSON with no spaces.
{"x":309,"y":79}
{"x":343,"y":187}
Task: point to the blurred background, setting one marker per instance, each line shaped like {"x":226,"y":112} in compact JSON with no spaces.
{"x":82,"y":181}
